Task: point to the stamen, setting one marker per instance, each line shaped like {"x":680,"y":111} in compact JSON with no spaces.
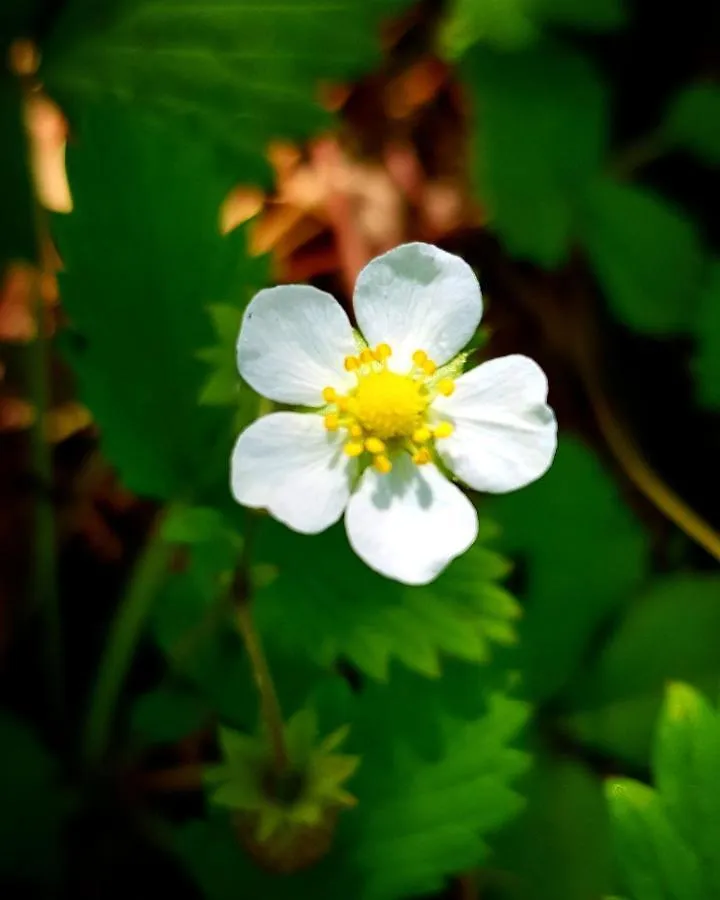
{"x":386,"y":409}
{"x":374,"y":445}
{"x":419,"y":357}
{"x":353,"y":448}
{"x":443,"y":430}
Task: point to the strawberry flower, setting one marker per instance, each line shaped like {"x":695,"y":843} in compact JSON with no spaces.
{"x":389,"y":411}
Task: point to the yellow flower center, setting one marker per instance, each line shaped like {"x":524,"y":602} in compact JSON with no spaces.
{"x":387,"y":412}
{"x":389,"y":405}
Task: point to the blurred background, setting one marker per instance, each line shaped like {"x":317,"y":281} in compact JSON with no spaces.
{"x":569,"y":150}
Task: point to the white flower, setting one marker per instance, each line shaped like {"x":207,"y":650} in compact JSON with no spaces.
{"x":382,"y":415}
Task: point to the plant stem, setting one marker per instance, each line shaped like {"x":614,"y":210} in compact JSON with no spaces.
{"x":43,"y":581}
{"x":23,"y":60}
{"x":124,"y":635}
{"x":270,"y":709}
{"x":645,"y":478}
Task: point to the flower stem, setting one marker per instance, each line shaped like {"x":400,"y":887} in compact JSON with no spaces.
{"x":270,"y":709}
{"x":125,"y":633}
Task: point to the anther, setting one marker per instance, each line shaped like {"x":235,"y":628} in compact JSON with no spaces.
{"x":382,"y":464}
{"x":329,"y":395}
{"x":382,"y":352}
{"x":356,"y":431}
{"x":443,"y":430}
{"x":445,"y":386}
{"x":352,"y":363}
{"x":353,"y":448}
{"x":332,"y":422}
{"x":419,"y":357}
{"x":366,"y":357}
{"x":429,"y":367}
{"x":374,"y":445}
{"x":421,"y":435}
{"x":421,"y":457}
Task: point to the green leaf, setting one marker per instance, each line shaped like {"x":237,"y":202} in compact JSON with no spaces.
{"x":653,"y":861}
{"x":693,"y":122}
{"x":668,"y":634}
{"x":427,"y":821}
{"x":238,"y":73}
{"x":647,"y":255}
{"x":416,"y":823}
{"x":513,"y":24}
{"x":560,"y":845}
{"x":325,"y":604}
{"x":539,"y":137}
{"x":686,"y":753}
{"x":167,"y":714}
{"x":571,"y":589}
{"x":34,"y":805}
{"x":143,"y":257}
{"x":707,"y":335}
{"x":506,"y":25}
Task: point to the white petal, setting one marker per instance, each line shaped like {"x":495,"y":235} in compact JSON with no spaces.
{"x":293,"y":343}
{"x":418,"y":297}
{"x":410,"y":523}
{"x":505,"y":433}
{"x":290,"y":465}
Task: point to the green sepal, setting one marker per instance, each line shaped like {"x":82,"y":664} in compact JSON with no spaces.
{"x":247,"y":781}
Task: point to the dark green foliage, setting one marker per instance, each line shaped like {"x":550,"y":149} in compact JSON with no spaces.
{"x":416,"y":822}
{"x":569,"y":595}
{"x":532,"y":158}
{"x":237,"y":74}
{"x":560,"y":844}
{"x":143,"y":260}
{"x":692,"y":122}
{"x":648,"y":256}
{"x":317,"y":586}
{"x":669,"y":633}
